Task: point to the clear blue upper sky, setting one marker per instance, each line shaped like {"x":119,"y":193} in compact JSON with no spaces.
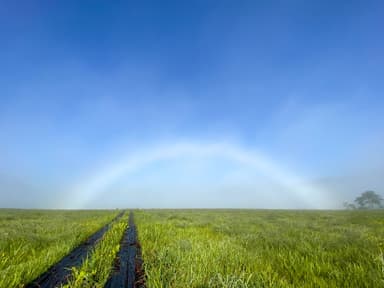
{"x":301,"y":82}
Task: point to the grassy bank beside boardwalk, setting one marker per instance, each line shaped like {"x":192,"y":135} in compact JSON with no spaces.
{"x":33,"y":240}
{"x":262,"y":248}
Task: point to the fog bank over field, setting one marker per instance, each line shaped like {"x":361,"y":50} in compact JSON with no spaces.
{"x":190,"y":175}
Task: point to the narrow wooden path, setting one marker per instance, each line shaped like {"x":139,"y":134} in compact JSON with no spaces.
{"x":128,"y":271}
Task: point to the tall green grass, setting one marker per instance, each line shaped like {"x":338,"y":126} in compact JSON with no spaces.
{"x":31,"y":241}
{"x":237,"y":248}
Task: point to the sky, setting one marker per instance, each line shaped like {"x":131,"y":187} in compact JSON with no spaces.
{"x":190,"y":104}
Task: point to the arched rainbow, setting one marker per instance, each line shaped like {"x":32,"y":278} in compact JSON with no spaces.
{"x":85,"y":191}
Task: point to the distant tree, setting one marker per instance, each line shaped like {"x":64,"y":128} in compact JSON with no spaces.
{"x":369,"y":200}
{"x":349,"y":206}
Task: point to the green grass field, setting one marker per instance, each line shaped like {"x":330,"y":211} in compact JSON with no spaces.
{"x":203,"y":248}
{"x":32,"y":240}
{"x":240,"y":248}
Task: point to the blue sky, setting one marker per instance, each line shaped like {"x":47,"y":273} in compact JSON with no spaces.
{"x":85,"y":85}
